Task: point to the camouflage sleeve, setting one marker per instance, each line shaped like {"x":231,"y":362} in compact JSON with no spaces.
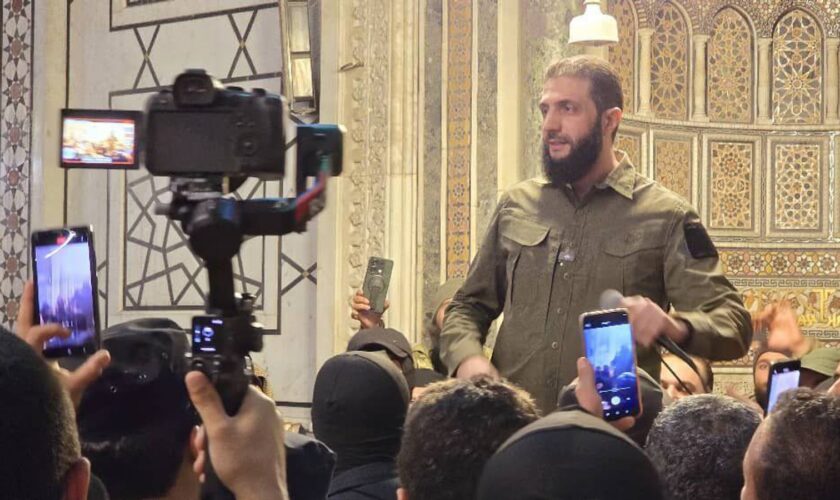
{"x":720,"y":326}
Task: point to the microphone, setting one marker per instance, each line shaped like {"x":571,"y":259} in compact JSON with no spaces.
{"x":612,"y":299}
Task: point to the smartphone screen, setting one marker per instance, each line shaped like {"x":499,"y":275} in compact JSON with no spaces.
{"x":205,"y":336}
{"x":99,"y":139}
{"x":65,"y":286}
{"x":609,"y":346}
{"x":784,"y":376}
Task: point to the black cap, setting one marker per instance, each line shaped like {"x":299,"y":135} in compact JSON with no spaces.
{"x":143,"y":386}
{"x":378,"y":339}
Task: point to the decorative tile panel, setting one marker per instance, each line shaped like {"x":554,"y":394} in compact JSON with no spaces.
{"x":730,"y":69}
{"x":672,"y":165}
{"x":731,"y":185}
{"x":459,"y":137}
{"x":797,"y":69}
{"x":797,"y":191}
{"x":623,"y":54}
{"x":632,"y":145}
{"x":669,"y":64}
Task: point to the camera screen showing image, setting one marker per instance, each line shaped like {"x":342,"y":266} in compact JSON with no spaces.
{"x":99,"y":139}
{"x":609,"y":348}
{"x":65,"y":289}
{"x":205,"y":338}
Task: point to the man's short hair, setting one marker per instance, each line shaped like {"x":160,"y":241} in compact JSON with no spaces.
{"x":38,"y":440}
{"x":698,"y":444}
{"x":453,"y":429}
{"x":135,"y":421}
{"x":799,"y":456}
{"x":707,"y":375}
{"x":605,"y":84}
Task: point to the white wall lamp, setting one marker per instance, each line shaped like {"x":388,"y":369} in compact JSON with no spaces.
{"x":593,"y":27}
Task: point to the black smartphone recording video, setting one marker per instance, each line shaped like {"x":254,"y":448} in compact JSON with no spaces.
{"x":377,"y":280}
{"x":783,"y":377}
{"x":66,"y":289}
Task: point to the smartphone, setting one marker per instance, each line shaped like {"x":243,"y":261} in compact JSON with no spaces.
{"x":66,"y":290}
{"x":206,"y":334}
{"x":609,"y":346}
{"x":377,"y":279}
{"x":783,"y":376}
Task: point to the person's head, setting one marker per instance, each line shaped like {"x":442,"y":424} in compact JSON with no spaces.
{"x":136,"y":420}
{"x":358,"y":408}
{"x":818,"y":366}
{"x":39,"y":446}
{"x":386,"y":340}
{"x":581,"y":105}
{"x":420,"y":380}
{"x":451,"y":431}
{"x":697,"y":445}
{"x":694,"y":384}
{"x":569,"y":455}
{"x":793,"y":454}
{"x":441,"y":300}
{"x":761,"y":372}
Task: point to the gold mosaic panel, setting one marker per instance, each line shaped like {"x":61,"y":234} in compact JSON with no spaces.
{"x":632,"y":145}
{"x":459,"y":137}
{"x":730,"y":69}
{"x":797,"y":69}
{"x":673,"y":165}
{"x":796,"y":186}
{"x":731,"y":193}
{"x":623,"y":54}
{"x":774,"y":263}
{"x":669,"y":64}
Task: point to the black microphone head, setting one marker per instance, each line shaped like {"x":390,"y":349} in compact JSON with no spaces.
{"x":610,"y":299}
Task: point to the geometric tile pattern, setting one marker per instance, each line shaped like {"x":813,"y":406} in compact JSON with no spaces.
{"x":15,"y":147}
{"x":775,"y":263}
{"x":623,"y":54}
{"x":672,"y":161}
{"x":797,"y":186}
{"x":459,"y":137}
{"x":730,"y":69}
{"x":731,"y":166}
{"x":797,"y":69}
{"x":632,"y":145}
{"x":669,"y":64}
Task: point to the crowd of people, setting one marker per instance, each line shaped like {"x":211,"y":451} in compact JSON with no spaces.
{"x":451,"y":417}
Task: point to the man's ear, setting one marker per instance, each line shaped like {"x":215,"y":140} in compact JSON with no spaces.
{"x":77,"y":480}
{"x":402,"y":494}
{"x":610,"y":119}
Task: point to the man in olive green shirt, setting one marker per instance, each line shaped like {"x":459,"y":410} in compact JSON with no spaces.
{"x":591,"y":223}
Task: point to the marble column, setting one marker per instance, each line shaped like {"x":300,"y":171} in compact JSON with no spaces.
{"x":699,"y":114}
{"x":765,"y":77}
{"x":831,"y":77}
{"x":645,"y":35}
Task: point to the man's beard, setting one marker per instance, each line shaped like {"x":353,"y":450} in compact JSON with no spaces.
{"x":579,"y":162}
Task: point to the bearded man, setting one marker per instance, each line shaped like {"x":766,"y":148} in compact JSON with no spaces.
{"x":591,"y":223}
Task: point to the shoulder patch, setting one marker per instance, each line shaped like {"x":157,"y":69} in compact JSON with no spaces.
{"x":698,"y":241}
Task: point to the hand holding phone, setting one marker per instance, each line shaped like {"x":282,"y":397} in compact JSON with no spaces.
{"x":377,"y":280}
{"x":609,"y":347}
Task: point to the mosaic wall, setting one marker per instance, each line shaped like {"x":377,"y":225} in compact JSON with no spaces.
{"x":797,"y":69}
{"x":669,"y":64}
{"x":730,"y":90}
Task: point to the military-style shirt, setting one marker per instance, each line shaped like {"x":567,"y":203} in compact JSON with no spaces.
{"x":547,"y":257}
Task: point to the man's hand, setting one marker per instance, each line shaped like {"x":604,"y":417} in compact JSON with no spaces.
{"x":649,"y":321}
{"x":246,"y":449}
{"x":589,"y":399}
{"x":476,"y":365}
{"x":74,"y":382}
{"x":783,"y":332}
{"x":363,"y":314}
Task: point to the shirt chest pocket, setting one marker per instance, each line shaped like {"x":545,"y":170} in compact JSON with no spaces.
{"x":528,"y":267}
{"x":637,"y":257}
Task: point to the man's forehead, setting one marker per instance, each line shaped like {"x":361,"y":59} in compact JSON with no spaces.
{"x":566,"y":87}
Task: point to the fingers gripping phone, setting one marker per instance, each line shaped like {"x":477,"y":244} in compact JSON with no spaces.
{"x":783,"y":377}
{"x":609,"y":347}
{"x":377,"y":279}
{"x":66,"y":289}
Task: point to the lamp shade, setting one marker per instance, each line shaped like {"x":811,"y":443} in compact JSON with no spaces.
{"x":593,"y":27}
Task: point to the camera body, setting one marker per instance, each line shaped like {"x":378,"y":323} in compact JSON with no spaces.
{"x":200,"y":128}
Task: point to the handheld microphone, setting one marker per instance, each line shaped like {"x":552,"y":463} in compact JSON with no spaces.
{"x":612,"y":299}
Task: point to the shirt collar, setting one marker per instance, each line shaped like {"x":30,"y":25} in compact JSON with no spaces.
{"x":623,"y":177}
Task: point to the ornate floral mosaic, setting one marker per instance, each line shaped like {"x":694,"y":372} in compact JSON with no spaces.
{"x":730,"y":69}
{"x":669,"y":64}
{"x":792,"y":263}
{"x":623,"y":54}
{"x":673,"y":165}
{"x":731,"y":166}
{"x":796,"y":186}
{"x":797,"y":69}
{"x":631,"y":144}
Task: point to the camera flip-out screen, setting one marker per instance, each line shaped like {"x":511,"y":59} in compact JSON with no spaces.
{"x":100,"y":139}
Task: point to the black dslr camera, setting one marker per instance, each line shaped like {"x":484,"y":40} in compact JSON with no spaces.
{"x":208,"y":139}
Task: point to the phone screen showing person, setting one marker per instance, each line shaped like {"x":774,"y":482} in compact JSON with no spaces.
{"x":65,"y":289}
{"x":608,"y":341}
{"x":783,"y":377}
